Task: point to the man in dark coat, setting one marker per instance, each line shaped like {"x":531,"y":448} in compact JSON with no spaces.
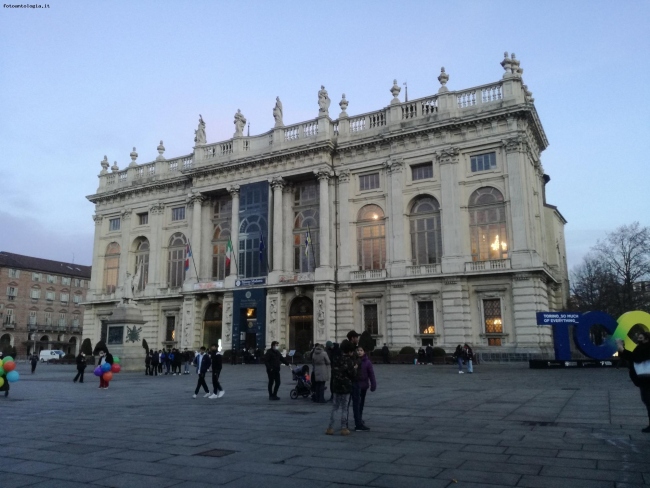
{"x":217,"y":363}
{"x":640,"y":355}
{"x":202,"y":362}
{"x":81,"y":367}
{"x":385,"y":354}
{"x":274,"y":360}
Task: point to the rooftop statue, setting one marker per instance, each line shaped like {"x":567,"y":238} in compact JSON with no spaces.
{"x":323,"y":101}
{"x":240,"y":123}
{"x":199,"y":138}
{"x":277,"y":112}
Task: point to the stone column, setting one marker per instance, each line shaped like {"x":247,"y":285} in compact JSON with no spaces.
{"x":96,"y":277}
{"x":156,"y":258}
{"x":277,"y":184}
{"x":234,"y":235}
{"x":456,"y":313}
{"x":288,"y":192}
{"x":347,"y":245}
{"x":324,"y":224}
{"x":396,"y":235}
{"x":196,"y":200}
{"x":453,"y":247}
{"x":125,"y":227}
{"x":529,"y":296}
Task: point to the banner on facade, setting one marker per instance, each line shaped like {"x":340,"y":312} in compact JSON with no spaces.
{"x":250,"y":282}
{"x":296,"y":278}
{"x":210,"y":285}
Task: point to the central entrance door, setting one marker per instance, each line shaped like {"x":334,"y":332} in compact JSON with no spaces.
{"x":212,"y":325}
{"x":301,"y":324}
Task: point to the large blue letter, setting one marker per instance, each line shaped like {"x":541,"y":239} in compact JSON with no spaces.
{"x":583,"y":340}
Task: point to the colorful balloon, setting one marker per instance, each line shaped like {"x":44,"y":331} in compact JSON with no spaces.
{"x":116,"y":368}
{"x":2,"y":382}
{"x":8,"y":366}
{"x":106,"y":367}
{"x":108,"y":376}
{"x":2,"y":372}
{"x":7,"y":358}
{"x":116,"y":360}
{"x":0,"y":363}
{"x":98,"y":371}
{"x":13,"y":376}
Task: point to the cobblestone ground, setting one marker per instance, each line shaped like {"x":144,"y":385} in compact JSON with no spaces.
{"x":505,"y":425}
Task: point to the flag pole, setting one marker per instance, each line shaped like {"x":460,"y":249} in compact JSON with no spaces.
{"x":193,"y":261}
{"x":234,"y":257}
{"x":311,"y":243}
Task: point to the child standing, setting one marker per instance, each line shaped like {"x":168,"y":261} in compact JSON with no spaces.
{"x":365,"y":379}
{"x":344,"y":372}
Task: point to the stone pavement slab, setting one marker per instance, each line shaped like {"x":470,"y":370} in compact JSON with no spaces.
{"x":504,"y":426}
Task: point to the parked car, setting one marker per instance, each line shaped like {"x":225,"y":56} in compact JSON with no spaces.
{"x":51,"y":354}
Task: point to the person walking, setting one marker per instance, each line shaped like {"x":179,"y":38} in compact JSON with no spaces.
{"x":81,"y":367}
{"x":202,"y":362}
{"x":147,"y":363}
{"x":365,"y":379}
{"x":459,"y":356}
{"x":385,"y":354}
{"x":635,"y":359}
{"x":469,"y":357}
{"x":186,"y":361}
{"x":161,"y":361}
{"x":344,"y":372}
{"x":105,"y":357}
{"x":217,"y":364}
{"x":274,"y":360}
{"x":177,"y":360}
{"x":34,"y":361}
{"x":155,"y":362}
{"x":321,"y":372}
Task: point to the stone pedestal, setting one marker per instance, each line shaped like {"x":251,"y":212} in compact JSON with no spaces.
{"x":128,"y":317}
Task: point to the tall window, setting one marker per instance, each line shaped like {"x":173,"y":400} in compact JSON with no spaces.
{"x":32,"y":318}
{"x":14,"y":273}
{"x":170,"y":330}
{"x":252,"y":256}
{"x":12,"y":292}
{"x":65,"y":280}
{"x":371,"y":319}
{"x":48,"y":318}
{"x":220,"y":240}
{"x":371,"y":238}
{"x":425,"y":318}
{"x":37,"y":277}
{"x":142,"y":263}
{"x":9,"y":317}
{"x":178,"y":213}
{"x":51,"y":279}
{"x":306,"y":255}
{"x":114,"y":224}
{"x":65,"y":297}
{"x":369,"y":182}
{"x":483,"y":162}
{"x":61,"y":320}
{"x":422,"y":171}
{"x":111,"y":267}
{"x":487,"y":225}
{"x":49,"y":295}
{"x":176,"y":260}
{"x":35,"y":293}
{"x":143,"y":218}
{"x":492,"y":320}
{"x":426,"y":238}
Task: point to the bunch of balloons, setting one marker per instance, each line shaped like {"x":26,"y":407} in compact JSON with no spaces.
{"x":106,"y":370}
{"x":7,"y":370}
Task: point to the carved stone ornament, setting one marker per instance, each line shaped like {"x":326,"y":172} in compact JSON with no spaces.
{"x":449,"y":153}
{"x":105,"y":164}
{"x":443,"y":79}
{"x":507,"y":65}
{"x":344,"y":106}
{"x":98,"y":219}
{"x":157,"y":209}
{"x":161,"y":150}
{"x":134,"y":156}
{"x":234,"y":190}
{"x":321,"y":320}
{"x":323,"y":174}
{"x":277,"y":183}
{"x":323,"y":101}
{"x":240,"y":123}
{"x":228,"y":322}
{"x":199,"y":134}
{"x":395,"y":89}
{"x":515,"y":144}
{"x":193,"y":198}
{"x":126,"y":214}
{"x":394,"y":166}
{"x":115,"y":168}
{"x":278,"y":113}
{"x":344,"y":176}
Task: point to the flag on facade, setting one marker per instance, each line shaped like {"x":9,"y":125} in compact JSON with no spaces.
{"x":262,"y":246}
{"x":307,"y":242}
{"x":188,"y":255}
{"x":228,"y":254}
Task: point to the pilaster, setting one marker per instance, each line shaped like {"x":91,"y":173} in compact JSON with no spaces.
{"x":324,"y":310}
{"x":453,"y":257}
{"x":529,"y":296}
{"x":234,"y":236}
{"x":196,"y":201}
{"x":156,"y":258}
{"x":288,"y":196}
{"x":277,"y":184}
{"x":347,"y":242}
{"x":125,"y":227}
{"x":456,"y":317}
{"x":324,"y":271}
{"x":273,"y":298}
{"x":96,"y":276}
{"x":396,"y":233}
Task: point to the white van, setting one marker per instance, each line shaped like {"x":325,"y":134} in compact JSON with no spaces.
{"x":48,"y":354}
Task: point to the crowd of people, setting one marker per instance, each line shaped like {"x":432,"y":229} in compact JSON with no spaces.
{"x":170,"y":361}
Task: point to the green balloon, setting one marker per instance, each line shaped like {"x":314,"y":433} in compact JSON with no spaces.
{"x":2,"y":372}
{"x":116,"y":360}
{"x":7,"y":359}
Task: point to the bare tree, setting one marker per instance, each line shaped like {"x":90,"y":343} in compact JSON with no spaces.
{"x":592,"y":286}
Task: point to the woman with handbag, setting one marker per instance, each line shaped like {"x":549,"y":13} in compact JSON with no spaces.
{"x":639,"y":363}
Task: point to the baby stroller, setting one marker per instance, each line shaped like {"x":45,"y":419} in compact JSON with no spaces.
{"x":303,"y":383}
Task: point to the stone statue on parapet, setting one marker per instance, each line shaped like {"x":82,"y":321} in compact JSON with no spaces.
{"x":277,"y":112}
{"x":199,"y":137}
{"x":323,"y":101}
{"x":240,"y":123}
{"x":127,"y":294}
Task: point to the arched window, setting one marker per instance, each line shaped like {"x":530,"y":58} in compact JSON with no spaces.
{"x":371,"y":238}
{"x":426,"y":238}
{"x":487,"y":225}
{"x":111,"y":267}
{"x":252,"y":254}
{"x":220,"y":241}
{"x":176,"y":260}
{"x":6,"y":342}
{"x":142,"y":263}
{"x":306,"y":256}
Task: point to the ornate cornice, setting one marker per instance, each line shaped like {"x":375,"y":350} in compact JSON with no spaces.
{"x":157,"y":209}
{"x":323,"y":174}
{"x":515,"y":144}
{"x":394,"y":166}
{"x":344,"y":176}
{"x":98,"y":219}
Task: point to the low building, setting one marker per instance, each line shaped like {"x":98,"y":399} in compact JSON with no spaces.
{"x":43,"y":305}
{"x":424,"y":222}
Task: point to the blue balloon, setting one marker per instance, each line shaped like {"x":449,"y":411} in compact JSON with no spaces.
{"x":13,"y":376}
{"x":106,"y":367}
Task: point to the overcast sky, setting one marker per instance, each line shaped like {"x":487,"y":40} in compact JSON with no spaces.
{"x":84,"y":79}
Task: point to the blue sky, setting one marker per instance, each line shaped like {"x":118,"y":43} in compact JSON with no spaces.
{"x":84,"y":79}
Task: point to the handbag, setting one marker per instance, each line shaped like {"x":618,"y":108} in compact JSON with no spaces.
{"x":642,"y":369}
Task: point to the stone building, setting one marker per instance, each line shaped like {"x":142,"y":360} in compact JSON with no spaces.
{"x":42,"y":307}
{"x":424,"y":222}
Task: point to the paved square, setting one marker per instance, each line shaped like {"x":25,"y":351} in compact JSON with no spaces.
{"x":505,"y":425}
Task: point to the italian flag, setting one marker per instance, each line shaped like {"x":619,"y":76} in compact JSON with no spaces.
{"x":228,"y":255}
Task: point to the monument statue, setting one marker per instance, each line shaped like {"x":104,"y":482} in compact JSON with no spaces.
{"x":127,"y":296}
{"x":240,"y":123}
{"x":199,"y":137}
{"x":277,"y":112}
{"x":323,"y":101}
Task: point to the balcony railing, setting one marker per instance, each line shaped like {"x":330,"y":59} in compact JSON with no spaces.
{"x":423,"y":269}
{"x":493,"y":265}
{"x":369,"y":274}
{"x":8,"y":325}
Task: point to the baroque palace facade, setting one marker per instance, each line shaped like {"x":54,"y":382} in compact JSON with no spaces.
{"x":424,"y":222}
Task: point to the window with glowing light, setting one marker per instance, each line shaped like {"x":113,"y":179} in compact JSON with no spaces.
{"x":425,"y":318}
{"x":176,"y":260}
{"x":371,"y":238}
{"x":371,"y":319}
{"x":493,"y":320}
{"x":488,"y":230}
{"x":170,"y":332}
{"x":426,"y":238}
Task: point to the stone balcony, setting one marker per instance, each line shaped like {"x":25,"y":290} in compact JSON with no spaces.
{"x":369,"y":274}
{"x":423,"y":270}
{"x":493,"y":265}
